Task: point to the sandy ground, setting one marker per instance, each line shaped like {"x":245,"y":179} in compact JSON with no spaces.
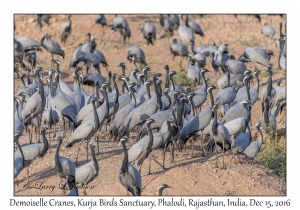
{"x":188,"y":175}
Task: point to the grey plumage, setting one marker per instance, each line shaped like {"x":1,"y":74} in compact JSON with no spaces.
{"x":42,"y":18}
{"x":195,"y":27}
{"x":142,"y":149}
{"x":36,"y":103}
{"x":29,"y":43}
{"x":138,"y":53}
{"x":149,"y":32}
{"x":256,"y":55}
{"x":129,"y":176}
{"x":254,"y":146}
{"x":100,"y":19}
{"x":268,"y":31}
{"x":178,"y":49}
{"x":121,"y":25}
{"x":166,"y":24}
{"x":86,"y":173}
{"x":63,"y":166}
{"x":52,"y":46}
{"x":185,"y":33}
{"x":66,"y":30}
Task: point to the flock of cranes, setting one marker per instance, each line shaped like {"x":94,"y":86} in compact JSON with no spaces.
{"x":163,"y":118}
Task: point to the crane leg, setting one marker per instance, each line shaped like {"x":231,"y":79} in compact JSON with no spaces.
{"x":78,"y":152}
{"x":87,"y":150}
{"x":150,"y":157}
{"x":64,"y":127}
{"x":84,"y":192}
{"x":216,"y":154}
{"x":164,"y":155}
{"x":223,"y":153}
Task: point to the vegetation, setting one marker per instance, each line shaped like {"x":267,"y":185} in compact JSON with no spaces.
{"x":273,"y":154}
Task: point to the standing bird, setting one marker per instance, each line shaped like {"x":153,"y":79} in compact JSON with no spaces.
{"x":42,"y":17}
{"x":32,"y":151}
{"x":19,"y":160}
{"x":63,"y":166}
{"x":185,"y":33}
{"x":138,"y":53}
{"x":129,"y":176}
{"x":178,"y":49}
{"x":86,"y":173}
{"x":219,"y":134}
{"x":268,"y":31}
{"x":36,"y":103}
{"x":100,"y":19}
{"x":254,"y":146}
{"x":149,"y":32}
{"x":52,"y":46}
{"x":256,"y":55}
{"x":195,"y":27}
{"x":166,"y":24}
{"x":142,"y":149}
{"x":120,"y":24}
{"x":65,"y":30}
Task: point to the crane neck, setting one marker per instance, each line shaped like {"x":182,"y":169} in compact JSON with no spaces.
{"x":214,"y":125}
{"x":260,"y":137}
{"x":148,"y":92}
{"x":20,"y":148}
{"x":117,"y":89}
{"x":96,"y":118}
{"x":22,"y":81}
{"x":41,"y":88}
{"x":247,"y":89}
{"x":149,"y":146}
{"x":167,"y":84}
{"x":172,"y":86}
{"x":45,"y":144}
{"x":269,"y":87}
{"x":125,"y":159}
{"x":178,"y":111}
{"x":228,"y":80}
{"x":95,"y":162}
{"x":158,"y":98}
{"x":192,"y":106}
{"x":133,"y":99}
{"x":58,"y":165}
{"x":169,"y":99}
{"x":106,"y":100}
{"x":265,"y":112}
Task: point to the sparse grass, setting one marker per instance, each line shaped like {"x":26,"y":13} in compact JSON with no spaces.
{"x":273,"y":154}
{"x":181,"y":79}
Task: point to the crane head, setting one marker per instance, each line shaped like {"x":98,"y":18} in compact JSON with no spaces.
{"x":166,"y":67}
{"x":257,"y":125}
{"x":121,"y":64}
{"x":92,"y":143}
{"x":210,"y":88}
{"x":166,"y":90}
{"x":123,"y":140}
{"x":215,"y":107}
{"x":150,"y":121}
{"x":191,"y":95}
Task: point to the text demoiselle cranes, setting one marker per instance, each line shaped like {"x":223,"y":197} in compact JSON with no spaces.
{"x":36,"y":103}
{"x":52,"y":46}
{"x":63,"y":166}
{"x":149,"y":32}
{"x":142,"y":149}
{"x":65,"y":30}
{"x":144,"y":111}
{"x":86,"y":173}
{"x":129,"y":176}
{"x":256,"y":55}
{"x":254,"y":146}
{"x":185,"y":33}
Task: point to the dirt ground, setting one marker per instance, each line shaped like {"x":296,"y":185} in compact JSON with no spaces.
{"x":188,"y":175}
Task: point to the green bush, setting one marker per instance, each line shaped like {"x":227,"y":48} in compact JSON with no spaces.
{"x":273,"y":155}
